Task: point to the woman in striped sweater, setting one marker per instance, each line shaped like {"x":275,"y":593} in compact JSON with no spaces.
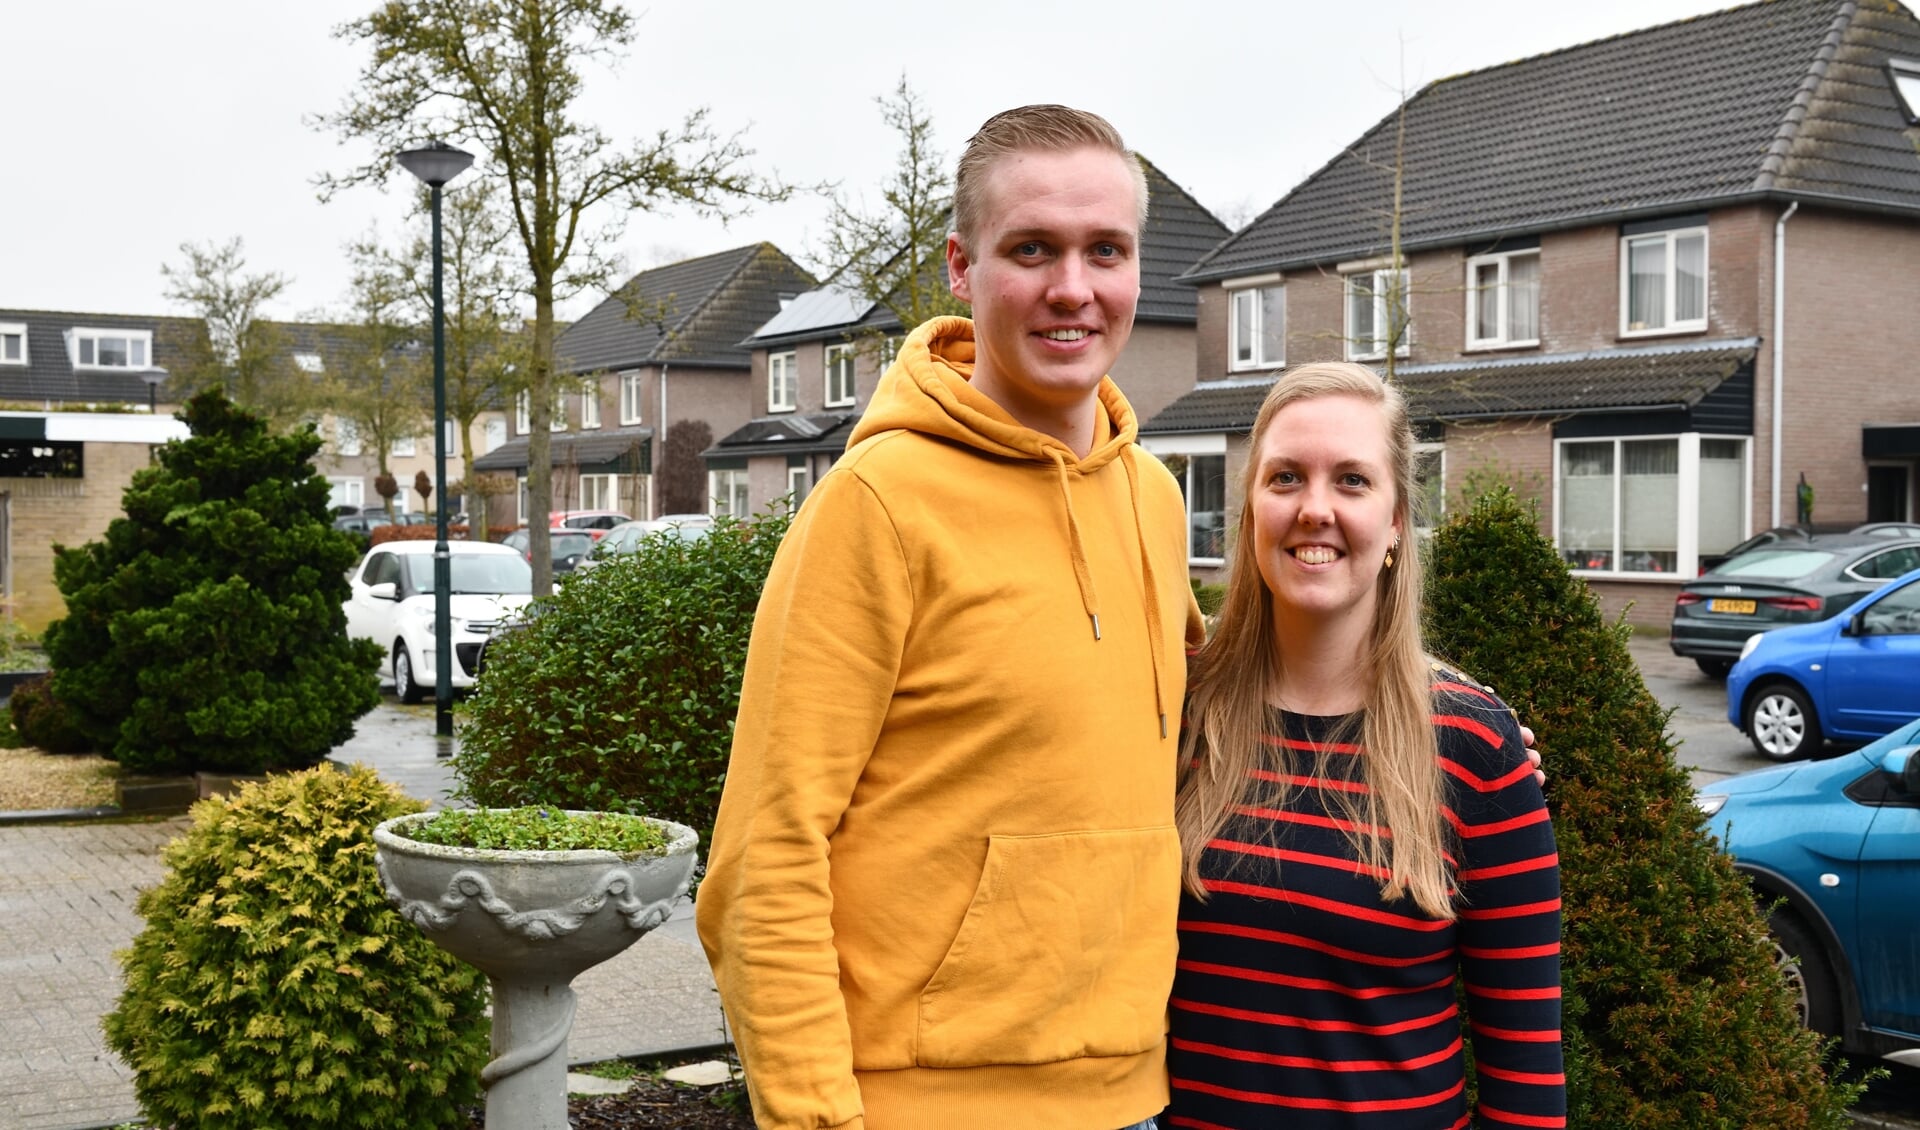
{"x":1362,"y":829}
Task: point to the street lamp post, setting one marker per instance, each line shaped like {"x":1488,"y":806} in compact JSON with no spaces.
{"x":155,"y":377}
{"x":436,"y":163}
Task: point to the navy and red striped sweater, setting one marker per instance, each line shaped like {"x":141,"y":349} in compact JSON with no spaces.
{"x":1304,"y":1000}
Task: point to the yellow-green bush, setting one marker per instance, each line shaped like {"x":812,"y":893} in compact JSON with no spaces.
{"x":273,"y":987}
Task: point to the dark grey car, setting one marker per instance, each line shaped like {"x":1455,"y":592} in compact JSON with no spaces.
{"x":1796,"y":581}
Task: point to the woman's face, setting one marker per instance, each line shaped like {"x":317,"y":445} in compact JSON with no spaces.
{"x":1323,"y":499}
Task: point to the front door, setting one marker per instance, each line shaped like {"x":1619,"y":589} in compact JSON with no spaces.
{"x":1890,"y":492}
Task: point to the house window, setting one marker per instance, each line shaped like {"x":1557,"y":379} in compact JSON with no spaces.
{"x":797,"y":483}
{"x":1378,"y":318}
{"x":1905,"y":74}
{"x":346,"y":492}
{"x":308,"y":362}
{"x":346,"y":438}
{"x":889,"y":349}
{"x":13,"y":343}
{"x":727,"y":492}
{"x":600,"y":492}
{"x":782,"y":382}
{"x":1257,"y":326}
{"x":1199,"y":465}
{"x":590,"y":409}
{"x":1430,"y":485}
{"x":630,"y":397}
{"x":496,"y":433}
{"x":404,"y":447}
{"x":111,"y":349}
{"x":1503,"y":300}
{"x":523,"y":413}
{"x":840,"y":392}
{"x":1663,"y":282}
{"x":1624,"y":506}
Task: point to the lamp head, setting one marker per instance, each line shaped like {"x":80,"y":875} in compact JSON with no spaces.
{"x":436,"y":162}
{"x":155,"y":376}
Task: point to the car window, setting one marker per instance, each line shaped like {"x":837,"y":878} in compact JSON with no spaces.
{"x":385,"y":569}
{"x":566,"y":545}
{"x":1896,"y":614}
{"x":1890,"y":564}
{"x":475,"y":573}
{"x":1775,"y":563}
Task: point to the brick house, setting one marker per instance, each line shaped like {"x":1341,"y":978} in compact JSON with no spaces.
{"x":1653,"y":280}
{"x":661,"y":350}
{"x":816,"y":362}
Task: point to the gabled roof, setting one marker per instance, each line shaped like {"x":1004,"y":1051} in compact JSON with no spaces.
{"x":49,"y":374}
{"x":694,"y":312}
{"x":1642,"y":378}
{"x":1782,"y":99}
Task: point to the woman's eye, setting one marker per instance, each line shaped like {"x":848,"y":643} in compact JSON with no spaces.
{"x":1284,"y":478}
{"x":1353,"y":479}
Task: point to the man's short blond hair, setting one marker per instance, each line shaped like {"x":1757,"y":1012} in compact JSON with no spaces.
{"x":1047,"y":128}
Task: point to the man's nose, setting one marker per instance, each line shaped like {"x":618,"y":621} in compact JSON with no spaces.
{"x":1070,"y":286}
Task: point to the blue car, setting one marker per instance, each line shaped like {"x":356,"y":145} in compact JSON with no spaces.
{"x":1853,"y":677}
{"x":1836,"y":844}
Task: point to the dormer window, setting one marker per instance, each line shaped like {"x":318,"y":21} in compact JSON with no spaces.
{"x":110,"y":349}
{"x":1905,"y":74}
{"x":13,"y":343}
{"x":309,"y":362}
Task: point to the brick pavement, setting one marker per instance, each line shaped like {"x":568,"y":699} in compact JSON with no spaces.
{"x":66,"y":904}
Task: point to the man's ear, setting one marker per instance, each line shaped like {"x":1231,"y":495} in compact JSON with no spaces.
{"x":957,"y":267}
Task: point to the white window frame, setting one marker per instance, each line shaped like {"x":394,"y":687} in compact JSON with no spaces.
{"x":727,"y":483}
{"x":495,"y":432}
{"x":783,"y":381}
{"x":1687,"y":484}
{"x":346,"y":438}
{"x":839,"y":359}
{"x":309,"y":363}
{"x":1502,"y":294}
{"x":632,"y":399}
{"x":346,"y":490}
{"x":799,"y":480}
{"x":13,"y":329}
{"x":1671,"y":326}
{"x":1377,"y":345}
{"x":81,"y":336}
{"x":405,"y":447}
{"x":600,"y":492}
{"x":1433,"y":518}
{"x":590,"y":418}
{"x":1250,"y":294}
{"x":1191,"y":446}
{"x":523,"y":413}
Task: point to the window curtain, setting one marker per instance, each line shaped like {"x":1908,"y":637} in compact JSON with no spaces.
{"x":1690,"y":278}
{"x":1650,"y":505}
{"x":1273,"y":325}
{"x":1647,"y":283}
{"x":1722,"y":475}
{"x":1586,"y":505}
{"x":1523,"y":298}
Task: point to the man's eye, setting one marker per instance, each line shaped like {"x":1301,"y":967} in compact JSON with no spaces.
{"x":1107,"y":250}
{"x":1027,"y":250}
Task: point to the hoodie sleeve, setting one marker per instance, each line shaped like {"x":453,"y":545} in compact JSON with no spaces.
{"x":820,"y":675}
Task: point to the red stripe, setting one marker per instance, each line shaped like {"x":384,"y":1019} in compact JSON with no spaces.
{"x":1447,"y":1015}
{"x":1549,"y":1121}
{"x":1481,"y":784}
{"x":1257,"y":934}
{"x":1241,"y":973}
{"x":1307,"y":782}
{"x":1550,"y":906}
{"x":1463,"y":688}
{"x":1518,"y":867}
{"x":1330,"y":906}
{"x":1309,"y":821}
{"x":1245,"y":1056}
{"x":1299,"y":1103}
{"x":1313,"y":859}
{"x":1539,"y":994}
{"x":1471,"y":726}
{"x":1520,"y":1035}
{"x":1514,"y":953}
{"x":1475,"y":831}
{"x":1530,"y":1078}
{"x":1195,"y":1123}
{"x":1309,"y":747}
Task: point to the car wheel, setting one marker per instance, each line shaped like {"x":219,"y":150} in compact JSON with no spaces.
{"x":1713,"y":668}
{"x":1809,"y":974}
{"x":405,"y":687}
{"x":1781,"y":723}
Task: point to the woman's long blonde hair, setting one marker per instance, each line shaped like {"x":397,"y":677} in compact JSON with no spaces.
{"x":1398,"y":826}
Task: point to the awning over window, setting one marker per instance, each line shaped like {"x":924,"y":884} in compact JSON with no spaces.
{"x":1890,"y":441}
{"x":614,"y":451}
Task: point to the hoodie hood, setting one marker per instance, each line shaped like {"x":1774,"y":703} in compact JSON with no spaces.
{"x":928,"y":389}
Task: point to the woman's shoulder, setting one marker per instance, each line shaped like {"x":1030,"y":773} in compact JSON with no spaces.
{"x":1474,"y":721}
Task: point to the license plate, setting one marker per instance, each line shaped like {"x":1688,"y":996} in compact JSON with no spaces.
{"x":1722,"y":604}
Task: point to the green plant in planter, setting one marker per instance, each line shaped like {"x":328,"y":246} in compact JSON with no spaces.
{"x":1676,"y":1018}
{"x":273,"y":987}
{"x":619,"y":694}
{"x":538,"y":828}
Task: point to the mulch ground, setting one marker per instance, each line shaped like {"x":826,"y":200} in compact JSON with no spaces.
{"x":652,"y":1105}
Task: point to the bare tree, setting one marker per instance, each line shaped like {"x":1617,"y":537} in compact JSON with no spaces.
{"x":234,"y":346}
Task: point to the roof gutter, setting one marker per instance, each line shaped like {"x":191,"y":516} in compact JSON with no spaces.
{"x":1779,"y":344}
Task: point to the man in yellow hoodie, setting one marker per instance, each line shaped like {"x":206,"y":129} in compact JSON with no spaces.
{"x":942,"y":888}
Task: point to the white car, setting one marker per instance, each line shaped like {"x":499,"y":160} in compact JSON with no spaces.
{"x":392,"y":605}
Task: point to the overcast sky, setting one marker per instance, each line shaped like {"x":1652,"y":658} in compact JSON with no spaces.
{"x":132,"y":127}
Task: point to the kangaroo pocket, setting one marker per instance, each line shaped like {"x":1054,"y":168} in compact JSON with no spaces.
{"x":1067,"y":950}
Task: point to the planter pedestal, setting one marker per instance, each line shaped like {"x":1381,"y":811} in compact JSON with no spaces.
{"x":532,"y":921}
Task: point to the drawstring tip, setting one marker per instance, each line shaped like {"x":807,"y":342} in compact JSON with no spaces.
{"x":1095,"y":617}
{"x":1163,"y":726}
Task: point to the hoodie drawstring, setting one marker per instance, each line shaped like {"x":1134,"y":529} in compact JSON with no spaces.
{"x":1154,"y":635}
{"x":1089,"y":599}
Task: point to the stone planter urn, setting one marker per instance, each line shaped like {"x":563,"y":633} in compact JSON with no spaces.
{"x":532,"y":921}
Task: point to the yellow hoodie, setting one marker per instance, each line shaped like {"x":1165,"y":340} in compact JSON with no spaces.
{"x":943,"y":884}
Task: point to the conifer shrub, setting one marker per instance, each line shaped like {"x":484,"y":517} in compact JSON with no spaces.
{"x":619,"y":693}
{"x":206,"y":629}
{"x":43,"y":721}
{"x":1676,"y":1018}
{"x":273,"y":987}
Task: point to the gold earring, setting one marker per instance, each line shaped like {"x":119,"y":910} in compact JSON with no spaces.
{"x":1390,"y":549}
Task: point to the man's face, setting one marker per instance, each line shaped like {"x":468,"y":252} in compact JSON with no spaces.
{"x":1053,"y":277}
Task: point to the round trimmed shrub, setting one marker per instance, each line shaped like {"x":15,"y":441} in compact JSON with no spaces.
{"x":619,"y":693}
{"x":42,"y":720}
{"x":273,"y":987}
{"x":1675,"y":1017}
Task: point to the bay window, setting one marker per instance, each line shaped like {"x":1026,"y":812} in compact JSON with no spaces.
{"x":1648,"y":506}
